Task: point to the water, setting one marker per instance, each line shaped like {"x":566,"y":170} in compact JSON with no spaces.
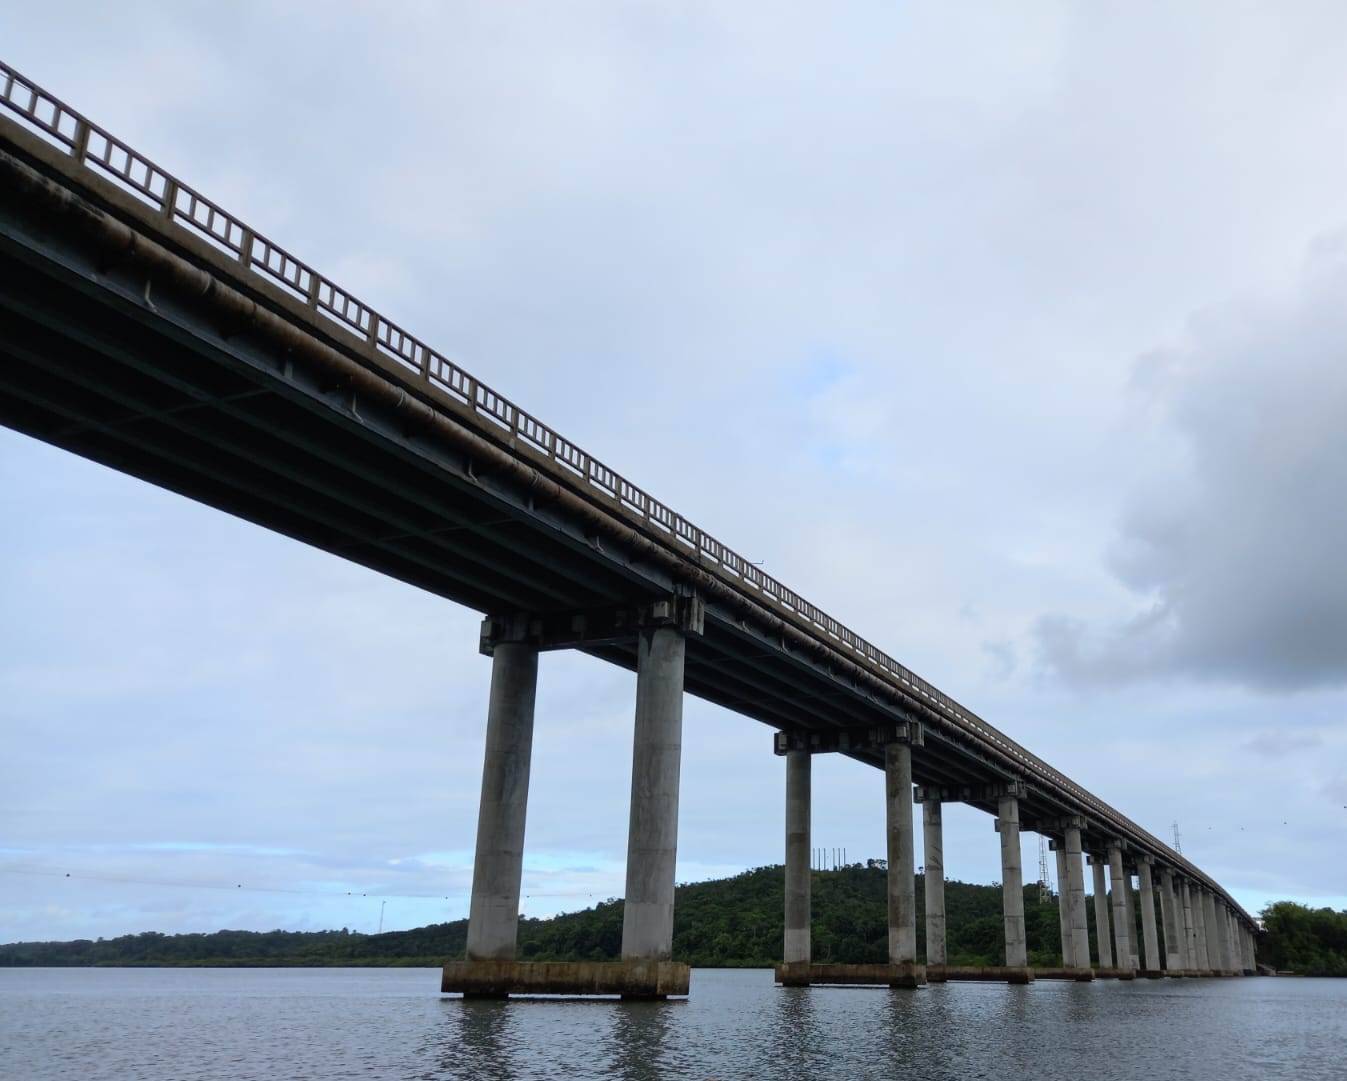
{"x":188,"y":1024}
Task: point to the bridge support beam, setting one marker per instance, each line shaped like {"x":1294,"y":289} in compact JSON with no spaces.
{"x":796,"y":947}
{"x":652,"y":837}
{"x":1075,"y":902}
{"x":1102,"y":931}
{"x":493,"y":919}
{"x":1151,"y":941}
{"x":902,"y":882}
{"x":1122,"y":943}
{"x":933,"y":843}
{"x":1012,"y":889}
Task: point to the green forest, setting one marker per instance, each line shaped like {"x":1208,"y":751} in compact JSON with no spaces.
{"x":1304,"y":940}
{"x":731,"y":922}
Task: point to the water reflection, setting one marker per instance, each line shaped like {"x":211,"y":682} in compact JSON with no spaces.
{"x":247,"y":1025}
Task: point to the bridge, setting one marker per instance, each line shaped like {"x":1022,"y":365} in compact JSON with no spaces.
{"x":144,"y":327}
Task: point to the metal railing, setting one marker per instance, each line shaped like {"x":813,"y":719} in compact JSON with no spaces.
{"x":180,"y":204}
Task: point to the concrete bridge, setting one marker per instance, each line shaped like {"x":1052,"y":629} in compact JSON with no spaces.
{"x":144,"y":327}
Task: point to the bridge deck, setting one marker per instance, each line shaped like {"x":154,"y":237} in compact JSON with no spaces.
{"x":138,"y":331}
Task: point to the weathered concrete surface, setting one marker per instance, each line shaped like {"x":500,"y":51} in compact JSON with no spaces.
{"x":632,"y":979}
{"x":1122,"y":944}
{"x":652,"y":837}
{"x":1168,"y":921}
{"x":902,"y":882}
{"x":1102,"y":931}
{"x":1148,"y":932}
{"x":796,"y":947}
{"x":1200,"y":932}
{"x":1012,"y":885}
{"x":933,"y":843}
{"x":493,"y":914}
{"x":880,"y":975}
{"x":1075,"y":902}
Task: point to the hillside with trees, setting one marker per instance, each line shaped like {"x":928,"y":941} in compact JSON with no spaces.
{"x":731,"y":922}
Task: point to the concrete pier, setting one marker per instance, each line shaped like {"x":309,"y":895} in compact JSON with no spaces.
{"x":652,"y":838}
{"x":1103,"y":945}
{"x":933,"y":843}
{"x":1063,"y":926}
{"x":493,"y":915}
{"x":1168,"y":920}
{"x":1192,"y":961}
{"x":1012,"y":889}
{"x":1129,"y":901}
{"x":1223,"y":936}
{"x":902,"y":883}
{"x":1077,"y":922}
{"x":1199,"y":925}
{"x":1148,"y":933}
{"x":795,"y":949}
{"x":1122,"y":943}
{"x":1214,"y":962}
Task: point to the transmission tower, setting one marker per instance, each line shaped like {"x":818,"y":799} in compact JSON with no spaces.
{"x":1044,"y":890}
{"x":1177,"y":846}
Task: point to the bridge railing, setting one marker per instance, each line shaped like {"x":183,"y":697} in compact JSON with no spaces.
{"x":98,"y":150}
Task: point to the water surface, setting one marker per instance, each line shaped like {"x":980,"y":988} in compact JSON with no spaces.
{"x":328,"y":1023}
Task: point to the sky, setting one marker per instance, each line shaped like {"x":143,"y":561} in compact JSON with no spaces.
{"x":1012,"y":336}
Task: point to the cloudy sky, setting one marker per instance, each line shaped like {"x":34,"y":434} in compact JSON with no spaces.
{"x":1015,"y":339}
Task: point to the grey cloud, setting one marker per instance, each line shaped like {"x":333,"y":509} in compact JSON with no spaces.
{"x":1233,"y":548}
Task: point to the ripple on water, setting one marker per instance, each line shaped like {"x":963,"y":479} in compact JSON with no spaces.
{"x":244,"y":1024}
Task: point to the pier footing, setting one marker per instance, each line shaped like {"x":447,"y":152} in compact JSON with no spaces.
{"x":803,"y":974}
{"x":630,"y":979}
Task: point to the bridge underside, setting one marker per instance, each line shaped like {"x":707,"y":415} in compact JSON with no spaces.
{"x":100,"y":358}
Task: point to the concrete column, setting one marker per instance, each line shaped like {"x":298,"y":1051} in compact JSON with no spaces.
{"x":652,"y":837}
{"x":1132,"y":936}
{"x":1147,"y":902}
{"x":933,"y":841}
{"x":1075,"y":901}
{"x":1101,"y":926}
{"x":1209,"y":927}
{"x":1063,"y":925}
{"x":1169,"y":914}
{"x":1012,"y":888}
{"x":1200,"y":931}
{"x":498,"y":867}
{"x":1190,"y":964}
{"x":1232,"y":956}
{"x":1122,"y":942}
{"x":902,"y":881}
{"x":796,"y":947}
{"x":1223,"y":920}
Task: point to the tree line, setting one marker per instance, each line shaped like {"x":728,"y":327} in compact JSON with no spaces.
{"x":730,"y":922}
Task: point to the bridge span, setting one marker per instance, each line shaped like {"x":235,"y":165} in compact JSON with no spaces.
{"x":144,"y":327}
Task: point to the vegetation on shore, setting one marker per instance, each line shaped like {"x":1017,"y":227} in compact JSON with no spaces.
{"x":1306,"y":941}
{"x":731,"y":922}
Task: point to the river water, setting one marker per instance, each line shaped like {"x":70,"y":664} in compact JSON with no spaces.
{"x":187,"y":1024}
